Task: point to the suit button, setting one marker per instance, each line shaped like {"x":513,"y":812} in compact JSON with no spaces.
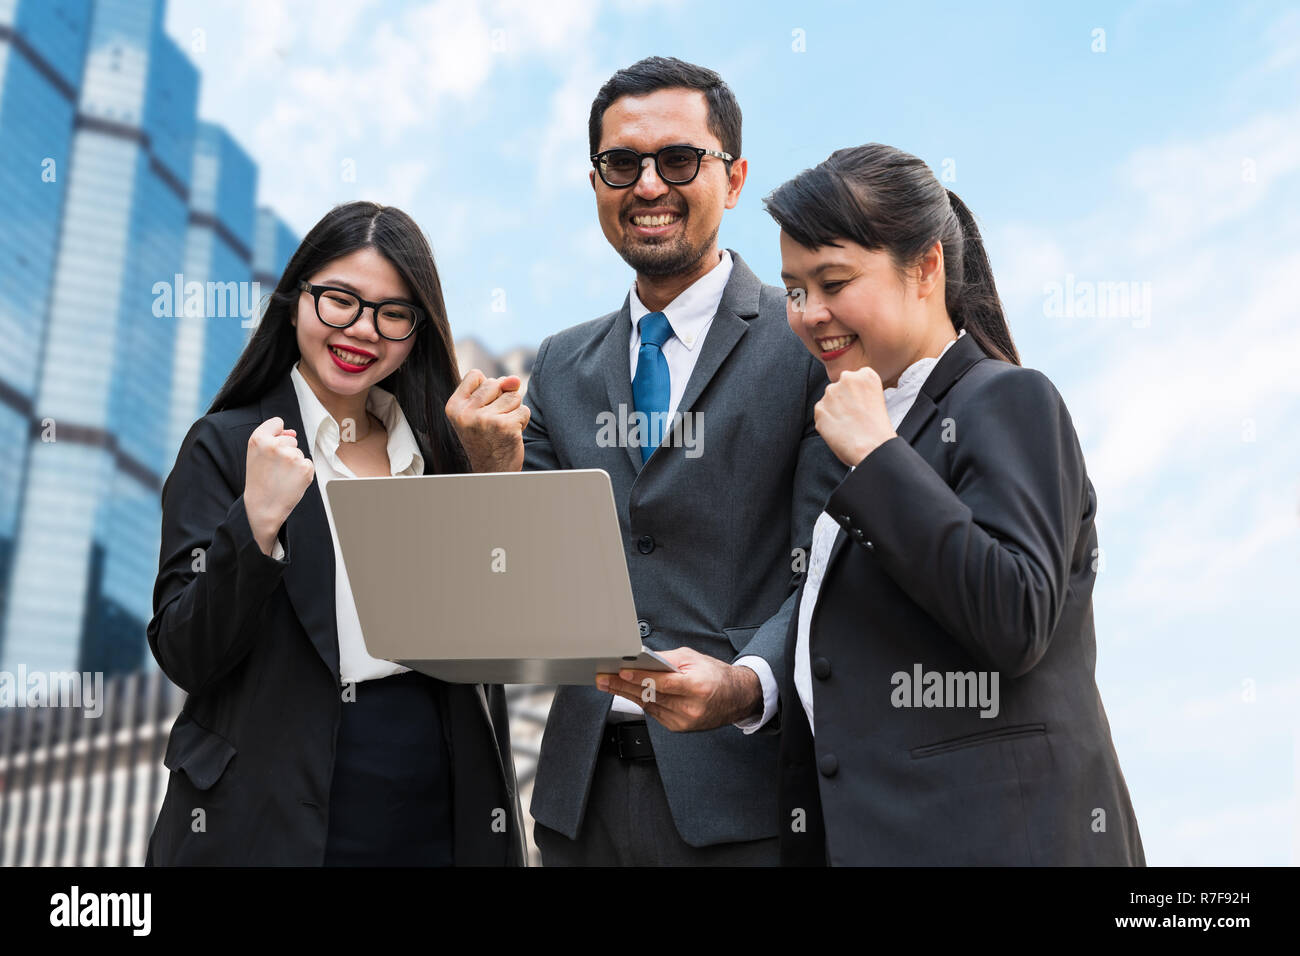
{"x":845,"y":519}
{"x":644,"y":628}
{"x":645,"y":544}
{"x":869,"y":546}
{"x":828,"y":765}
{"x":821,"y":667}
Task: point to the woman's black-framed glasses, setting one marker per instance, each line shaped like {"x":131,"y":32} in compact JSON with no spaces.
{"x":676,"y":165}
{"x":395,"y":319}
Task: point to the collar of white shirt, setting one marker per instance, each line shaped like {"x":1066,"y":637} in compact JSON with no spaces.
{"x":899,"y":399}
{"x":323,"y":435}
{"x":694,"y":307}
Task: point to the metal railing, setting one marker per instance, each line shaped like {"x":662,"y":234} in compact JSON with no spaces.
{"x":85,"y":791}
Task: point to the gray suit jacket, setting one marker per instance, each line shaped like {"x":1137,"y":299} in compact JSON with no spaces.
{"x":709,"y":539}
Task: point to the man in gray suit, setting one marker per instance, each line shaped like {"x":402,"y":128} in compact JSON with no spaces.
{"x":698,"y":400}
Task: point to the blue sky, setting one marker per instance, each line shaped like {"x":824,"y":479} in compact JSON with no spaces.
{"x":1169,"y":160}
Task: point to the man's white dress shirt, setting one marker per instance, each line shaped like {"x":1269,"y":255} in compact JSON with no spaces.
{"x":690,"y":315}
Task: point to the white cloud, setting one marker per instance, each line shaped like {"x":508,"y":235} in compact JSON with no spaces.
{"x":1193,"y":766}
{"x":401,"y":183}
{"x":1223,"y":336}
{"x":1199,"y":525}
{"x":1029,"y":255}
{"x":1225,"y":836}
{"x":562,"y":164}
{"x":1284,"y":38}
{"x":320,"y":90}
{"x":1186,"y":190}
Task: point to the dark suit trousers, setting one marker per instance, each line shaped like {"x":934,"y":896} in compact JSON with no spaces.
{"x":628,"y":823}
{"x":390,"y":796}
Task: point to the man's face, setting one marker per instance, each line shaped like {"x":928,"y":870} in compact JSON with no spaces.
{"x":658,"y":228}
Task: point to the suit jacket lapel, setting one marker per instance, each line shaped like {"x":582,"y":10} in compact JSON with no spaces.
{"x":964,"y":354}
{"x":311,"y":549}
{"x":922,"y":410}
{"x":612,"y":358}
{"x":956,"y":362}
{"x":841,"y":539}
{"x":739,"y":303}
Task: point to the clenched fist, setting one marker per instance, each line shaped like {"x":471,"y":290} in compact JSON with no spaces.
{"x":277,"y":476}
{"x":489,"y":416}
{"x":851,"y":416}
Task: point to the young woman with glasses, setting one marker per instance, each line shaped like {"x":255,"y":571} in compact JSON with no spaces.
{"x":294,"y":745}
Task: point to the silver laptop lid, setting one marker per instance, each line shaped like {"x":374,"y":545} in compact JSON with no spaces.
{"x":508,"y":566}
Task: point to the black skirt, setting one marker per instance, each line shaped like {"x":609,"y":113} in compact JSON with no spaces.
{"x":390,"y":795}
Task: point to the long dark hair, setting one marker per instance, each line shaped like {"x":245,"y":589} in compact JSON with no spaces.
{"x":885,"y":199}
{"x":422,"y":384}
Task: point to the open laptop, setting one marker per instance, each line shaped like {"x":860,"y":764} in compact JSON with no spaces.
{"x":506,"y":578}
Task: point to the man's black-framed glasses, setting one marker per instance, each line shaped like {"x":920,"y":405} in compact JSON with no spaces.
{"x":676,"y":165}
{"x":394,"y":319}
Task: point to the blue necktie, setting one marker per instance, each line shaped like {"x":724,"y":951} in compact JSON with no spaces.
{"x":650,"y":384}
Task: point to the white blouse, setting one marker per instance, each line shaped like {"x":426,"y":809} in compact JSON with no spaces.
{"x":898,"y":402}
{"x":404,"y":458}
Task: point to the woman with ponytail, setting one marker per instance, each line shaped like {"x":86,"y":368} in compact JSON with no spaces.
{"x":939,"y":705}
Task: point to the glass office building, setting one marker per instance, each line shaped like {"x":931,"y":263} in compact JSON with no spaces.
{"x":87,"y":542}
{"x":274,"y":243}
{"x":42,"y":52}
{"x":110,"y":190}
{"x":214,"y":295}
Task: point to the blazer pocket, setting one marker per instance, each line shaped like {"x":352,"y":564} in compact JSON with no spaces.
{"x":1011,"y":732}
{"x":740,"y":636}
{"x":200,"y":753}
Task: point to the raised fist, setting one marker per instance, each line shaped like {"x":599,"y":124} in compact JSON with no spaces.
{"x":277,"y":476}
{"x":489,"y":416}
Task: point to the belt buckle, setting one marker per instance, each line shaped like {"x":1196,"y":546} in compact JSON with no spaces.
{"x":622,"y":732}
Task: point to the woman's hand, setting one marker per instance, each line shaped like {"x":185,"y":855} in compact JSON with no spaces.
{"x":277,"y":477}
{"x":851,"y":416}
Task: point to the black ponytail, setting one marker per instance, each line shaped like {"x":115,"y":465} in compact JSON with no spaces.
{"x":885,"y":199}
{"x":976,"y":305}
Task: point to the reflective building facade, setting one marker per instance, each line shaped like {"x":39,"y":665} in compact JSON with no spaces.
{"x":274,"y":242}
{"x":111,"y":191}
{"x":116,"y":205}
{"x":42,"y":53}
{"x":88,"y":522}
{"x":215,"y":287}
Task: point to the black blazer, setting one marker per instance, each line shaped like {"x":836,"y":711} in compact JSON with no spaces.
{"x":967,"y":546}
{"x":254,"y":643}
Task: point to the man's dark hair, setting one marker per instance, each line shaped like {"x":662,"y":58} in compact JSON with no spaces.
{"x":666,"y":72}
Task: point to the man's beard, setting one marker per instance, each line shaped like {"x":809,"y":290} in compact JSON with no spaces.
{"x":669,"y":258}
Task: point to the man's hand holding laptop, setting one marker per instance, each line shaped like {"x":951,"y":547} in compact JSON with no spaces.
{"x":704,"y":693}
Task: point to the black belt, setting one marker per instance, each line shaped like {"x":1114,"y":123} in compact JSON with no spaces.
{"x":629,"y":739}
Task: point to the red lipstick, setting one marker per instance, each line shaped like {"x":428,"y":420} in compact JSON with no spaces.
{"x":348,"y":366}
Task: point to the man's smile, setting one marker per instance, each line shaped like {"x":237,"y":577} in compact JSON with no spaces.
{"x":655,"y":221}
